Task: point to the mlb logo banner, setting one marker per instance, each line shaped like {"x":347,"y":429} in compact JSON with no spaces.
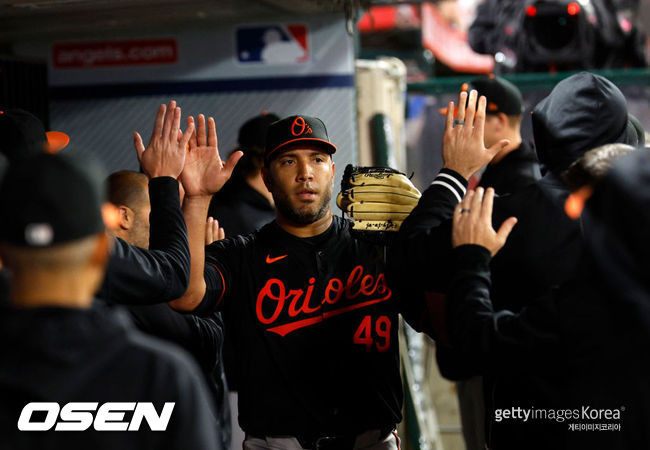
{"x":273,"y":44}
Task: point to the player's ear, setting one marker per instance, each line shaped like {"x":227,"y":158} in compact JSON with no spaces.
{"x":333,"y":167}
{"x":127,"y":217}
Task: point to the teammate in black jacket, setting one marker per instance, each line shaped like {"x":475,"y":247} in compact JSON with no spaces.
{"x":511,"y":170}
{"x":202,"y":337}
{"x":315,"y":317}
{"x":588,"y":341}
{"x":545,"y":248}
{"x":516,"y":166}
{"x":134,"y":275}
{"x":58,"y":349}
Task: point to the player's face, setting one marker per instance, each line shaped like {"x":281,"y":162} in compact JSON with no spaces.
{"x":301,"y":182}
{"x":141,"y":229}
{"x":139,"y":232}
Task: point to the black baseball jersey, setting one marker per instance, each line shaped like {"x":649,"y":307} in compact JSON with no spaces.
{"x":316,"y":330}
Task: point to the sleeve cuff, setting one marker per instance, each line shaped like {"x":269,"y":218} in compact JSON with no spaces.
{"x":470,"y":257}
{"x":453,"y":181}
{"x":163,"y":189}
{"x":214,"y":291}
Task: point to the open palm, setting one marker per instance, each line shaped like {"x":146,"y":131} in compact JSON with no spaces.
{"x":165,"y":153}
{"x":204,"y":172}
{"x":463,"y":147}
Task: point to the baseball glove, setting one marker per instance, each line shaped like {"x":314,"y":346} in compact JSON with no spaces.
{"x":376,"y":198}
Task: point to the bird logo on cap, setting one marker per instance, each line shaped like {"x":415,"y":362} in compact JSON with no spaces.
{"x":300,"y":124}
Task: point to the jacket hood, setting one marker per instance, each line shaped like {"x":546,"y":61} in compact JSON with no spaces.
{"x":582,"y":112}
{"x":616,"y":221}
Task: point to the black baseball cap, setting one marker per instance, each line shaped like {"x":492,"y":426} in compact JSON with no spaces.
{"x":502,"y":96}
{"x":23,"y":134}
{"x":291,"y":130}
{"x":51,"y":199}
{"x":253,"y":132}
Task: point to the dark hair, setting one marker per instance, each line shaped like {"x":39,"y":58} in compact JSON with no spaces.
{"x":250,"y":164}
{"x":593,"y":165}
{"x":126,"y":188}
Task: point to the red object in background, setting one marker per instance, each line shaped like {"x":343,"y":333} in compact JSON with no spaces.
{"x":573,"y":8}
{"x":84,"y":55}
{"x":448,"y":44}
{"x":386,"y":18}
{"x":378,"y":18}
{"x":531,"y":11}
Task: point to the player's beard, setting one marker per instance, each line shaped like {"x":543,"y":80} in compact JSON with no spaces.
{"x":309,"y":213}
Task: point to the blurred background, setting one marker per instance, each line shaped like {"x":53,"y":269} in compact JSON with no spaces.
{"x":376,"y":71}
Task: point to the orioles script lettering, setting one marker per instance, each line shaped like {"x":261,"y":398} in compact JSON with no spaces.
{"x":358,"y":291}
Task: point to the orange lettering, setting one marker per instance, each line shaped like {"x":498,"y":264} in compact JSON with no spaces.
{"x":294,"y":310}
{"x":381,"y":287}
{"x":296,"y":293}
{"x":267,"y":292}
{"x":353,"y":279}
{"x":336,"y":286}
{"x":366,"y":284}
{"x":273,"y":298}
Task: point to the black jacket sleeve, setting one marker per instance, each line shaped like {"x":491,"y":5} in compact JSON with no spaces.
{"x":201,"y":337}
{"x":428,"y":226}
{"x":418,"y":261}
{"x":497,"y":341}
{"x":420,"y":256}
{"x":162,"y":273}
{"x":425,"y":236}
{"x":223,"y":260}
{"x":436,"y":204}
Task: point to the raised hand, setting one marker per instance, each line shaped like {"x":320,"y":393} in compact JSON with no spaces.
{"x":204,"y":172}
{"x":473,"y":222}
{"x":463,"y":147}
{"x":213,"y":232}
{"x":164,"y":156}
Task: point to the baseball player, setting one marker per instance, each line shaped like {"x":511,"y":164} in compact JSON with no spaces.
{"x":201,"y":336}
{"x":316,"y":319}
{"x":74,"y":372}
{"x":543,"y":251}
{"x":134,"y":275}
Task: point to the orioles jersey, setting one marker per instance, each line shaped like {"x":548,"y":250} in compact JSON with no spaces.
{"x":315,"y":330}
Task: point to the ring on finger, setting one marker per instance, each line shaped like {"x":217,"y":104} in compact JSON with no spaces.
{"x":459,"y":122}
{"x":465,"y":210}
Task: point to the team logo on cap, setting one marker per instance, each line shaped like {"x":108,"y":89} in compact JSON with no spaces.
{"x":299,"y":127}
{"x":39,"y":234}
